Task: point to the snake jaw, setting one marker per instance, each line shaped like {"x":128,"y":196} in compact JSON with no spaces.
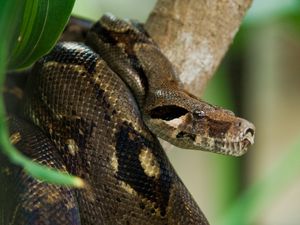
{"x":185,"y":138}
{"x":231,"y":143}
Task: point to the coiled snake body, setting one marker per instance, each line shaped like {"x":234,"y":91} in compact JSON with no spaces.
{"x":96,"y":108}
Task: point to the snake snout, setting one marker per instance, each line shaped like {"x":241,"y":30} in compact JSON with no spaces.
{"x":248,"y":132}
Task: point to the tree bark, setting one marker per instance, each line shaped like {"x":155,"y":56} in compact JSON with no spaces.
{"x":195,"y":35}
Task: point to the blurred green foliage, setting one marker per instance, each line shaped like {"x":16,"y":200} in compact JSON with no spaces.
{"x":248,"y":206}
{"x":133,"y":9}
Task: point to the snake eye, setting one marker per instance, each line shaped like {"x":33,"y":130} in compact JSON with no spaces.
{"x":167,"y":112}
{"x":198,"y":114}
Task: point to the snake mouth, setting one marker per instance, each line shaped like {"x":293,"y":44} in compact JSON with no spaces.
{"x":237,"y":147}
{"x":222,"y":146}
{"x":233,"y":148}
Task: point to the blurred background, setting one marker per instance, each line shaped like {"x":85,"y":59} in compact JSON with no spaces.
{"x":259,"y":79}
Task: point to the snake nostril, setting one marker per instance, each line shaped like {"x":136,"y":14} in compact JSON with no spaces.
{"x":249,"y":131}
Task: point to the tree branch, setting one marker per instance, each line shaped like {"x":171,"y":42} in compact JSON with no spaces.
{"x":195,"y":35}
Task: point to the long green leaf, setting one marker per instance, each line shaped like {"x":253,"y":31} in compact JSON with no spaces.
{"x":28,"y":30}
{"x":41,"y":25}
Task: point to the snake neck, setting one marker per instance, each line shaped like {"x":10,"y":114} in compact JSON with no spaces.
{"x":168,"y":110}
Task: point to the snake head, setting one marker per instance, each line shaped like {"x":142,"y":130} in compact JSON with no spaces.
{"x":188,"y":122}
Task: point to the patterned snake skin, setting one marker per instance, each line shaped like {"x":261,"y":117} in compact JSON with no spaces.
{"x":96,"y":108}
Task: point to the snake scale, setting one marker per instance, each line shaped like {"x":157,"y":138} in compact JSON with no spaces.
{"x":95,"y":110}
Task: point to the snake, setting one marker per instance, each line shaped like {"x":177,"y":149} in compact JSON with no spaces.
{"x":95,"y":109}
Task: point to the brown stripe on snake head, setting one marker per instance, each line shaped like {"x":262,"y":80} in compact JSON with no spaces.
{"x":217,"y":128}
{"x":152,"y":183}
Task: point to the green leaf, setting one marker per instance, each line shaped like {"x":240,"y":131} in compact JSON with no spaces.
{"x":41,"y":24}
{"x":28,"y":30}
{"x":266,"y":10}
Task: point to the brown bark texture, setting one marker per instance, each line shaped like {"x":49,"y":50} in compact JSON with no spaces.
{"x":195,"y":35}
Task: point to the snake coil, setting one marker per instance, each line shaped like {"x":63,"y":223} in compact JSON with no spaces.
{"x":94,"y":110}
